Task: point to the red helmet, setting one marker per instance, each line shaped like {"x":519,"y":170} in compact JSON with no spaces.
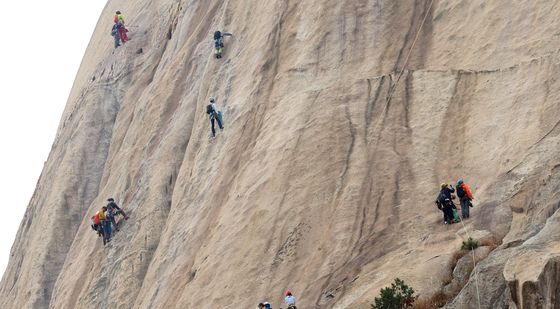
{"x":288,"y":293}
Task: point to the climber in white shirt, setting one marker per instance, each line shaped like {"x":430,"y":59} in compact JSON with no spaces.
{"x":290,"y":300}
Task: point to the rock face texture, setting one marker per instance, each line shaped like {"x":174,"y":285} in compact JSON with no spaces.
{"x":324,"y":178}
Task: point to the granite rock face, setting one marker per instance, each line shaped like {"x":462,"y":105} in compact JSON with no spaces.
{"x":324,"y":178}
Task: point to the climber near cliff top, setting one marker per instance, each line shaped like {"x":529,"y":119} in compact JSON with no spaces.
{"x":219,"y":43}
{"x":215,"y":115}
{"x":465,"y":197}
{"x":119,"y":21}
{"x":290,"y":300}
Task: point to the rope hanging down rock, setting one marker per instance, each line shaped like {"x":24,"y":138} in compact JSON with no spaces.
{"x":392,"y":89}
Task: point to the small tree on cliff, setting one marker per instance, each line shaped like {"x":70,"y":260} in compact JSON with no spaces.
{"x":398,"y":296}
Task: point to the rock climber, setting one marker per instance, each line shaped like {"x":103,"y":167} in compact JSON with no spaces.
{"x":96,"y":226}
{"x":465,"y":198}
{"x":111,"y":220}
{"x":219,"y":42}
{"x":113,"y":210}
{"x":445,"y":203}
{"x":290,"y":300}
{"x":105,"y":225}
{"x":215,"y":115}
{"x":116,"y":35}
{"x":119,"y":21}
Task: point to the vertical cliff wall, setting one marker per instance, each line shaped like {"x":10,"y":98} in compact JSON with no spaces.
{"x":319,"y":183}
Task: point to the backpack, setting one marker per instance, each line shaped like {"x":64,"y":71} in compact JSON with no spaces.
{"x":218,"y":43}
{"x":439,"y":205}
{"x":209,"y":109}
{"x":461,"y":192}
{"x":118,"y":19}
{"x":217,"y":35}
{"x":443,"y":201}
{"x":440,"y":201}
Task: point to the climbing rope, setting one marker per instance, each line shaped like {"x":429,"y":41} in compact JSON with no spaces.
{"x":392,"y":89}
{"x":474,"y":266}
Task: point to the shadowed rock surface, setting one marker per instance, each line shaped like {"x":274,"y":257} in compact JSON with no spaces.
{"x":319,"y":183}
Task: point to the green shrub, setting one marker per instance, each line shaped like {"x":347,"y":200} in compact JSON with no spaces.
{"x":469,"y":244}
{"x":398,"y":296}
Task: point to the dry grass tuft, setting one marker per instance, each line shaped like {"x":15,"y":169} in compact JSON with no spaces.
{"x":457,"y":256}
{"x":438,"y":300}
{"x":488,"y":243}
{"x":447,"y":279}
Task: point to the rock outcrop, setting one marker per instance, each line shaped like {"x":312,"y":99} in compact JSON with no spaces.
{"x":324,"y":178}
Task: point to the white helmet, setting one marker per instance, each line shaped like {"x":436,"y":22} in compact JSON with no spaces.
{"x":212,"y":99}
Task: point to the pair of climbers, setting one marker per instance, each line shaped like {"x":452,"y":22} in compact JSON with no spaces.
{"x":219,"y":43}
{"x":119,"y":30}
{"x":211,"y":110}
{"x":290,"y":301}
{"x":102,"y":220}
{"x":444,"y":201}
{"x":215,"y":116}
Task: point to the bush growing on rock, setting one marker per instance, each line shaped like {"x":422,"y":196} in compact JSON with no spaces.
{"x":469,"y":244}
{"x":398,"y":296}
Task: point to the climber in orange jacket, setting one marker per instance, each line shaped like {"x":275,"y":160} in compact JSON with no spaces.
{"x":119,"y":20}
{"x":465,"y":197}
{"x":96,"y":226}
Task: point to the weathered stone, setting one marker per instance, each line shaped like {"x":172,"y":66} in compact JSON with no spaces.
{"x":328,"y":165}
